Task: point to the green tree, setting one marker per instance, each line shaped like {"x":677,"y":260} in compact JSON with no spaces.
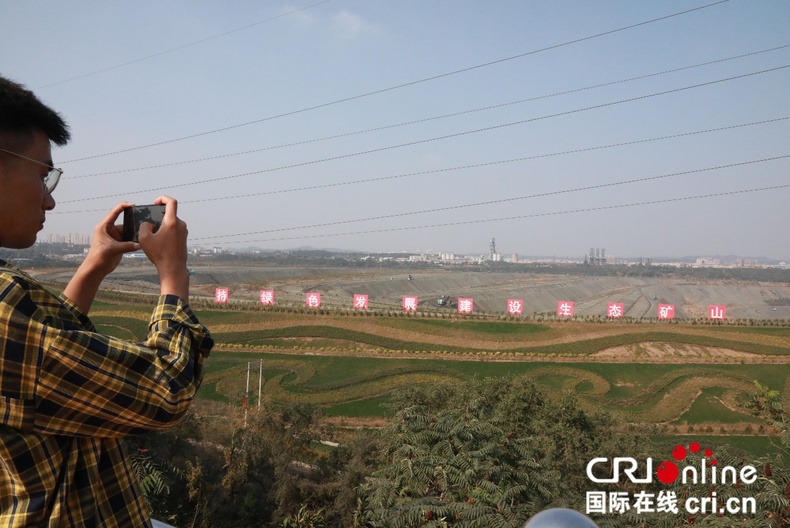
{"x":243,"y":483}
{"x":271,"y":473}
{"x":159,"y":460}
{"x":489,"y":453}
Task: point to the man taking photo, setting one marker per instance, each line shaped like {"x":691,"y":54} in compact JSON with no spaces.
{"x":68,"y":394}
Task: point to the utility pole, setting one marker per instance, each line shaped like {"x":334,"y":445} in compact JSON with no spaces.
{"x":246,"y":395}
{"x":260,"y":382}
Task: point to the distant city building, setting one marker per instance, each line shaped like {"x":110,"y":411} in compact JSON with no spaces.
{"x":703,"y":262}
{"x":597,"y":257}
{"x":74,"y":239}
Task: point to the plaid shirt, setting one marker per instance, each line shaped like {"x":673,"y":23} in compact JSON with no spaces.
{"x":68,"y":395}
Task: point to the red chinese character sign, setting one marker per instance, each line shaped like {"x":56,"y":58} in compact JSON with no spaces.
{"x":360,"y":301}
{"x":717,"y":311}
{"x":515,"y":306}
{"x":312,"y":300}
{"x":465,"y":305}
{"x":564,"y":309}
{"x":409,"y":303}
{"x":267,"y":297}
{"x":666,"y":311}
{"x":615,"y":310}
{"x":221,"y":295}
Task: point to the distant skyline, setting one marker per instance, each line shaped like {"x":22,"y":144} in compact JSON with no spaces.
{"x":83,"y":239}
{"x":646,"y":128}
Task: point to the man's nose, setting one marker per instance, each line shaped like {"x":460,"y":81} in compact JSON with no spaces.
{"x":49,"y":201}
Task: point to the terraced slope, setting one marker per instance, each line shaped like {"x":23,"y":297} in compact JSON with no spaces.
{"x":674,"y":374}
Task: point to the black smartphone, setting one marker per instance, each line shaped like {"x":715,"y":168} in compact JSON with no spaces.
{"x":134,"y":216}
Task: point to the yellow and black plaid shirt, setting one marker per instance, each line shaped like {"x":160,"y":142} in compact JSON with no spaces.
{"x":68,"y":395}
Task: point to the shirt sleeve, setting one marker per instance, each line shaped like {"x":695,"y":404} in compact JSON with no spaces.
{"x":89,"y":384}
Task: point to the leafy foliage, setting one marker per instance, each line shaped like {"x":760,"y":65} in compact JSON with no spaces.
{"x":153,"y":480}
{"x":478,"y":454}
{"x":305,"y":518}
{"x":271,"y":474}
{"x":160,"y":461}
{"x":491,"y":453}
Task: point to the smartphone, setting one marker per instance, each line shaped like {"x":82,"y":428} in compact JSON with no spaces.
{"x":133,"y":218}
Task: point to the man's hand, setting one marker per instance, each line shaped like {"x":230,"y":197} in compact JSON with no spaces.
{"x":103,"y":257}
{"x":107,"y":248}
{"x":167,"y":249}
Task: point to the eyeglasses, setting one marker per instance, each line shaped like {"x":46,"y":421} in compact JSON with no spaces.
{"x":51,"y":179}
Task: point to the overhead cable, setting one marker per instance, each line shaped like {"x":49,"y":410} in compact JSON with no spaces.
{"x":520,"y":217}
{"x":505,"y":200}
{"x":424,"y":120}
{"x":428,"y":140}
{"x":460,"y":167}
{"x":404,"y":85}
{"x":183,"y":46}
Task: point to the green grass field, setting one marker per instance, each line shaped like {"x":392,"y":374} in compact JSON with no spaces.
{"x":354,"y":386}
{"x":350,"y":364}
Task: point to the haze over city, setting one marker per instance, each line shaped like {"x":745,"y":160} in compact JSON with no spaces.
{"x":646,"y":128}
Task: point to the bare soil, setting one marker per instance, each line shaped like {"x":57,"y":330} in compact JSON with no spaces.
{"x":490,"y":291}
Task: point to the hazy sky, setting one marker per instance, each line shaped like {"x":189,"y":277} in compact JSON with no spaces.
{"x":423,"y":125}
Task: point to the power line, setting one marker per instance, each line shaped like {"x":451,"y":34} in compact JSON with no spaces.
{"x":428,"y":140}
{"x":461,"y":167}
{"x":520,"y":217}
{"x":428,"y":119}
{"x":407,"y":84}
{"x":505,"y":200}
{"x":183,"y":46}
{"x":482,"y":164}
